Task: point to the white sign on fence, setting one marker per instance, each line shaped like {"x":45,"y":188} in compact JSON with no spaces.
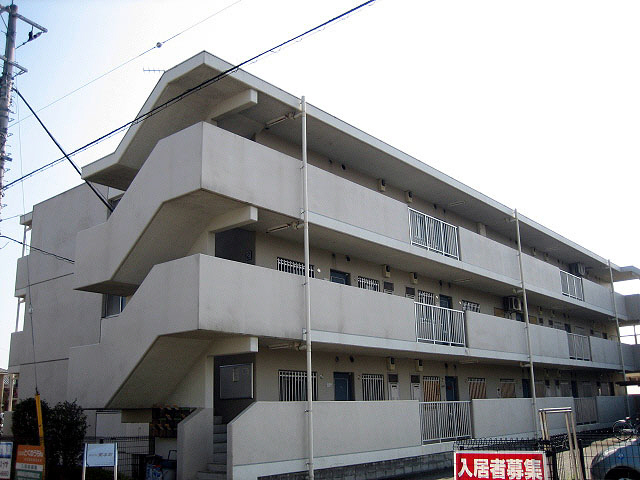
{"x":6,"y":449}
{"x":100,"y":455}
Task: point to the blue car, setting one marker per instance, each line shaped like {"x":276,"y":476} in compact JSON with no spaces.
{"x":617,"y":462}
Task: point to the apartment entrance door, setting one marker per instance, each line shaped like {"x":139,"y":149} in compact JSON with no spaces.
{"x":445,"y":301}
{"x":343,"y":386}
{"x":451,"y":388}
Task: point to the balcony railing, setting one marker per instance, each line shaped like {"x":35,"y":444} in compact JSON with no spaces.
{"x":586,"y":410}
{"x":571,"y":285}
{"x":579,"y":347}
{"x":443,"y":421}
{"x":433,"y":234}
{"x":439,"y":325}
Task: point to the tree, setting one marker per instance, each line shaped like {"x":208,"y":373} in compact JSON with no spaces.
{"x":65,"y":426}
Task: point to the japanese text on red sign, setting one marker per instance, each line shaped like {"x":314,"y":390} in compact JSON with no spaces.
{"x":499,"y":466}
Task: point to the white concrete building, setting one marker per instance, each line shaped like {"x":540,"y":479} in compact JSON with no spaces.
{"x":190,"y":294}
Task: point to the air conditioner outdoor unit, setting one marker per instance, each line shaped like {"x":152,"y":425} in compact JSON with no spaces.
{"x":512,"y":304}
{"x":578,"y":269}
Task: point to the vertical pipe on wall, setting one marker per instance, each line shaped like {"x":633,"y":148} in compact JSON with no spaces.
{"x":307,"y":289}
{"x":534,"y":406}
{"x":615,"y":312}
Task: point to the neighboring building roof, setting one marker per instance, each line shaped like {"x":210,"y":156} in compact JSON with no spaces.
{"x":328,"y":135}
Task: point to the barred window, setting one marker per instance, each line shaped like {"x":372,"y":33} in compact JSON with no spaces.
{"x":507,"y":388}
{"x":293,"y":385}
{"x":292,"y":266}
{"x":369,"y":283}
{"x":471,"y":306}
{"x":477,"y":388}
{"x":372,"y":386}
{"x":431,"y":388}
{"x":426,"y":297}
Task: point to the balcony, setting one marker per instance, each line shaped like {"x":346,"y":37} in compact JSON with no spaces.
{"x":571,"y":285}
{"x":445,"y":421}
{"x":433,"y":234}
{"x":439,"y":325}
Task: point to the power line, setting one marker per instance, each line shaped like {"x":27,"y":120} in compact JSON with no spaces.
{"x":59,"y":257}
{"x":157,"y":45}
{"x":188,"y":92}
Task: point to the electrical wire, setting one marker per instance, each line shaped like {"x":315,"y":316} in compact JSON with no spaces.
{"x":156,"y":46}
{"x":31,"y":247}
{"x":77,"y":169}
{"x":190,"y":91}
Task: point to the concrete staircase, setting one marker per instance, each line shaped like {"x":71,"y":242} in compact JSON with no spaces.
{"x":217,"y":469}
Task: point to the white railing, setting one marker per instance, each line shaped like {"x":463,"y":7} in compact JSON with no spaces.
{"x":579,"y":347}
{"x":372,"y":386}
{"x":439,"y":325}
{"x":571,"y":285}
{"x":433,"y":234}
{"x":442,"y":421}
{"x":586,"y":410}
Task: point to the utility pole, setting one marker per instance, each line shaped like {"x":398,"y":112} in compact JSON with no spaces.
{"x":6,"y":81}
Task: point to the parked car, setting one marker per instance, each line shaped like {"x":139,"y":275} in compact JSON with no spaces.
{"x":618,"y":462}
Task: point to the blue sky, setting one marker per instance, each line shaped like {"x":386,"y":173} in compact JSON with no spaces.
{"x":532,"y":103}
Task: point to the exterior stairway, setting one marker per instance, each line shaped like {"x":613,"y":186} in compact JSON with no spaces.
{"x":217,"y":470}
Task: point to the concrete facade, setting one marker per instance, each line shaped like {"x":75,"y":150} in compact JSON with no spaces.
{"x":204,"y":249}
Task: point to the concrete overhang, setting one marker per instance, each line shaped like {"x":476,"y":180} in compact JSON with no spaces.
{"x":242,"y":112}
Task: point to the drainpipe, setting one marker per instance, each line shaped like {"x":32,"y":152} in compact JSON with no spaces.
{"x":615,"y":311}
{"x":307,"y":286}
{"x":534,"y":407}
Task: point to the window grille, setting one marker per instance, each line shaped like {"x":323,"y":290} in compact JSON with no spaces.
{"x":372,"y":386}
{"x":571,"y":285}
{"x":471,"y":306}
{"x":292,"y":266}
{"x":477,"y":388}
{"x":587,"y":389}
{"x":387,"y":287}
{"x":507,"y":388}
{"x":410,"y":292}
{"x":293,"y":385}
{"x":431,"y":388}
{"x":426,"y":297}
{"x":369,"y":284}
{"x":565,"y":389}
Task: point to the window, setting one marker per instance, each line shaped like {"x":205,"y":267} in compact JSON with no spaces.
{"x":291,"y":266}
{"x":369,"y":284}
{"x":471,"y":306}
{"x":372,"y":386}
{"x":293,"y":385}
{"x":410,"y":292}
{"x":343,"y":278}
{"x":431,"y":388}
{"x":112,"y":305}
{"x":507,"y":388}
{"x":387,"y":287}
{"x":477,"y":388}
{"x":427,"y":298}
{"x":565,"y":389}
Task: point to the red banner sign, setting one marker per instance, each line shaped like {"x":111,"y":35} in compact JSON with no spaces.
{"x":472,"y":465}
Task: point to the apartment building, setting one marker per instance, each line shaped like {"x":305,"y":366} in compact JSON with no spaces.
{"x":190,"y":294}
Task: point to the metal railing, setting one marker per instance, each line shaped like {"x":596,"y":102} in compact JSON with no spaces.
{"x":571,"y":285}
{"x":433,"y":234}
{"x":586,"y":410}
{"x":579,"y":347}
{"x":439,"y":325}
{"x":444,"y":421}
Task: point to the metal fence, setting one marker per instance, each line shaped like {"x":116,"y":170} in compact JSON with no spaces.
{"x":602,"y":455}
{"x":571,"y":285}
{"x":579,"y":347}
{"x":439,"y":325}
{"x":433,"y":234}
{"x":445,"y":421}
